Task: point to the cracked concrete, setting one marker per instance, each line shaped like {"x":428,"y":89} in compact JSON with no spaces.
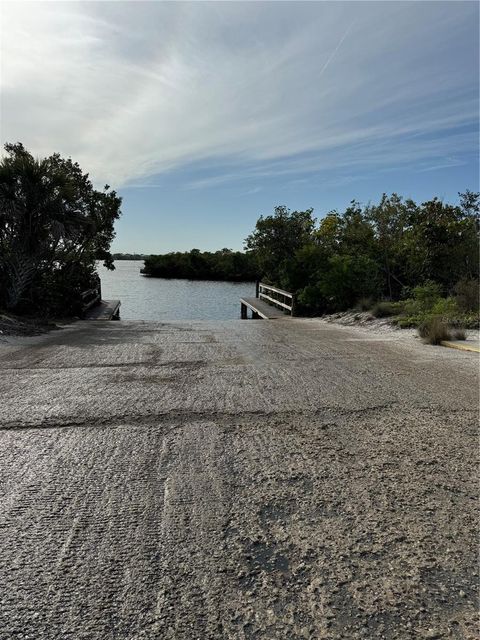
{"x":237,"y":480}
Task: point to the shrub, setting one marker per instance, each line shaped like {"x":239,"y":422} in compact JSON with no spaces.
{"x":470,"y":320}
{"x":409,"y":322}
{"x":467,"y":294}
{"x":424,"y":298}
{"x":365,"y":304}
{"x":383,"y":310}
{"x":447,"y":308}
{"x":426,"y":295}
{"x":310,"y":300}
{"x":433,"y":330}
{"x":386,"y":309}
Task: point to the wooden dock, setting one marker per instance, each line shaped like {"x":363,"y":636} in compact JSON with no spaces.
{"x":260,"y":309}
{"x":105,"y":310}
{"x":270,"y":303}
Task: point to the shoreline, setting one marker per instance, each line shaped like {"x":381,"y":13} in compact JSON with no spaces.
{"x":364,"y":321}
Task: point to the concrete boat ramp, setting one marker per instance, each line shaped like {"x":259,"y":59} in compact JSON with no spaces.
{"x":236,"y":480}
{"x":104,"y":310}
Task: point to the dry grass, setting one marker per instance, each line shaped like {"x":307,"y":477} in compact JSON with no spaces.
{"x":434,"y":330}
{"x":384,"y":309}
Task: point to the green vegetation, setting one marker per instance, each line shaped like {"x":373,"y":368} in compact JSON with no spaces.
{"x":417,"y":264}
{"x":203,"y":265}
{"x":396,"y":258}
{"x":53,"y":227}
{"x":427,"y":303}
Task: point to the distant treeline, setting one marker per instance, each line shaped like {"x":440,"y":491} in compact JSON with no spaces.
{"x":129,"y":256}
{"x":203,"y":265}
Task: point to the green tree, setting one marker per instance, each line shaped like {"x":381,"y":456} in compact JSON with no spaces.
{"x":441,"y":244}
{"x":390,"y":221}
{"x":276,"y":239}
{"x":380,"y":251}
{"x":53,"y":226}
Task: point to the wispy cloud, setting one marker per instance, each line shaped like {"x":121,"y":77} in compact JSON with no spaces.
{"x":133,"y":89}
{"x":251,"y":192}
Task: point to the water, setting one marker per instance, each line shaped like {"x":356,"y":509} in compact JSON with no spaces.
{"x":164,"y":299}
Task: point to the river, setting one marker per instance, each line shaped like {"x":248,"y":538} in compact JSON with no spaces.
{"x":170,"y":299}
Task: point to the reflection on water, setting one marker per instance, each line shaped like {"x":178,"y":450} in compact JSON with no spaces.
{"x":161,"y":299}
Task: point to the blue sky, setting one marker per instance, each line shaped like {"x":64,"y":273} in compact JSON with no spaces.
{"x":205,"y":115}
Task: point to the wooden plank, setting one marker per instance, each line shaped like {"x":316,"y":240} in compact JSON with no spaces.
{"x":106,"y":310}
{"x":281,"y":291}
{"x":90,"y":292}
{"x":282,"y":304}
{"x":264,"y":310}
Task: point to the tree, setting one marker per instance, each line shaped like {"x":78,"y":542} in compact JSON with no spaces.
{"x":390,"y":221}
{"x":276,"y":239}
{"x":197,"y":265}
{"x":53,"y":227}
{"x":349,"y":278}
{"x":379,"y":251}
{"x":441,"y":243}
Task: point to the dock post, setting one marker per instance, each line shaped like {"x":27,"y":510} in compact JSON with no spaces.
{"x":243,"y":311}
{"x":257,"y":288}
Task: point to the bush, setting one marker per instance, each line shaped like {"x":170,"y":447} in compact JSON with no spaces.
{"x":424,"y":299}
{"x":433,"y":330}
{"x":409,"y":322}
{"x":467,"y":294}
{"x":365,"y":304}
{"x":470,"y":321}
{"x":310,"y":300}
{"x":348,"y":278}
{"x":447,"y":308}
{"x":386,"y":309}
{"x":427,"y":293}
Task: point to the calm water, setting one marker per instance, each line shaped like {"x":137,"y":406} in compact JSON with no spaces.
{"x":161,"y":299}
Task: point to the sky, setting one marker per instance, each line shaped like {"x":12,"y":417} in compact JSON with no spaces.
{"x":205,"y":115}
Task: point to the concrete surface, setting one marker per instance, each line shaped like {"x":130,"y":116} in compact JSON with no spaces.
{"x":462,"y":345}
{"x":237,"y":480}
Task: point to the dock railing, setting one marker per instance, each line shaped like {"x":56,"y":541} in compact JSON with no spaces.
{"x":277,"y":297}
{"x":91,"y":297}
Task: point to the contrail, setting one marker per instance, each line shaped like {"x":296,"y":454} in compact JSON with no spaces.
{"x":332,"y":55}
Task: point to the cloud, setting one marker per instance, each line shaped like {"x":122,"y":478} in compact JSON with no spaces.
{"x":133,"y":89}
{"x":251,"y":191}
